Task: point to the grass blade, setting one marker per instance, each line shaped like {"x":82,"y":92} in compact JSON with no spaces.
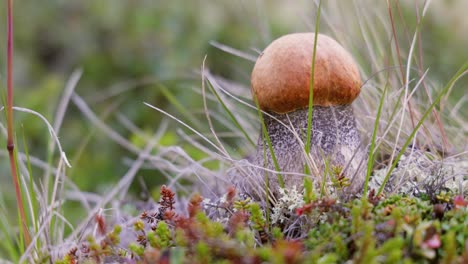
{"x":311,"y":88}
{"x":463,"y":70}
{"x":229,"y":112}
{"x":370,"y":161}
{"x":179,"y":106}
{"x":266,"y":137}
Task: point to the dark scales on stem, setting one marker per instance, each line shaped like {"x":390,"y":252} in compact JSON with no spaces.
{"x":334,"y":137}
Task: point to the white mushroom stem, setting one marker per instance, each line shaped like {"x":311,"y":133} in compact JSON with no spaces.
{"x":334,"y":137}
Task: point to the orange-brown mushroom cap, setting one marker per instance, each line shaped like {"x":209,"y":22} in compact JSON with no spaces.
{"x":281,"y":75}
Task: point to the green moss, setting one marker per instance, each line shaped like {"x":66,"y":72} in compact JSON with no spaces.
{"x":396,"y":229}
{"x":137,"y":249}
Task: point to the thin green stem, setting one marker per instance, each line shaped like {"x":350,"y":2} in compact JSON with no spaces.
{"x":230,"y":113}
{"x":311,"y":88}
{"x":266,"y":137}
{"x":267,"y":188}
{"x":370,"y":163}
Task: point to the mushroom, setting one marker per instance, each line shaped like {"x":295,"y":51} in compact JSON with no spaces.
{"x":281,"y":84}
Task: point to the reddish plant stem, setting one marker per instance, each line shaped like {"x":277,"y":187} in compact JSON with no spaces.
{"x":445,"y":143}
{"x":9,"y":109}
{"x":403,"y":77}
{"x":10,"y":74}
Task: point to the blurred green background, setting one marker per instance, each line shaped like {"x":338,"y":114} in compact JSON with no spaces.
{"x":147,"y":43}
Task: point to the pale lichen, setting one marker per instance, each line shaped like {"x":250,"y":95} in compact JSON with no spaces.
{"x":421,"y":172}
{"x":289,"y":201}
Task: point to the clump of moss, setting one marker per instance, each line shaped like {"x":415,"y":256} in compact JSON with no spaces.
{"x":373,"y":229}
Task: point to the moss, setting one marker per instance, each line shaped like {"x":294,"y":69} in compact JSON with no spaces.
{"x":395,"y":229}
